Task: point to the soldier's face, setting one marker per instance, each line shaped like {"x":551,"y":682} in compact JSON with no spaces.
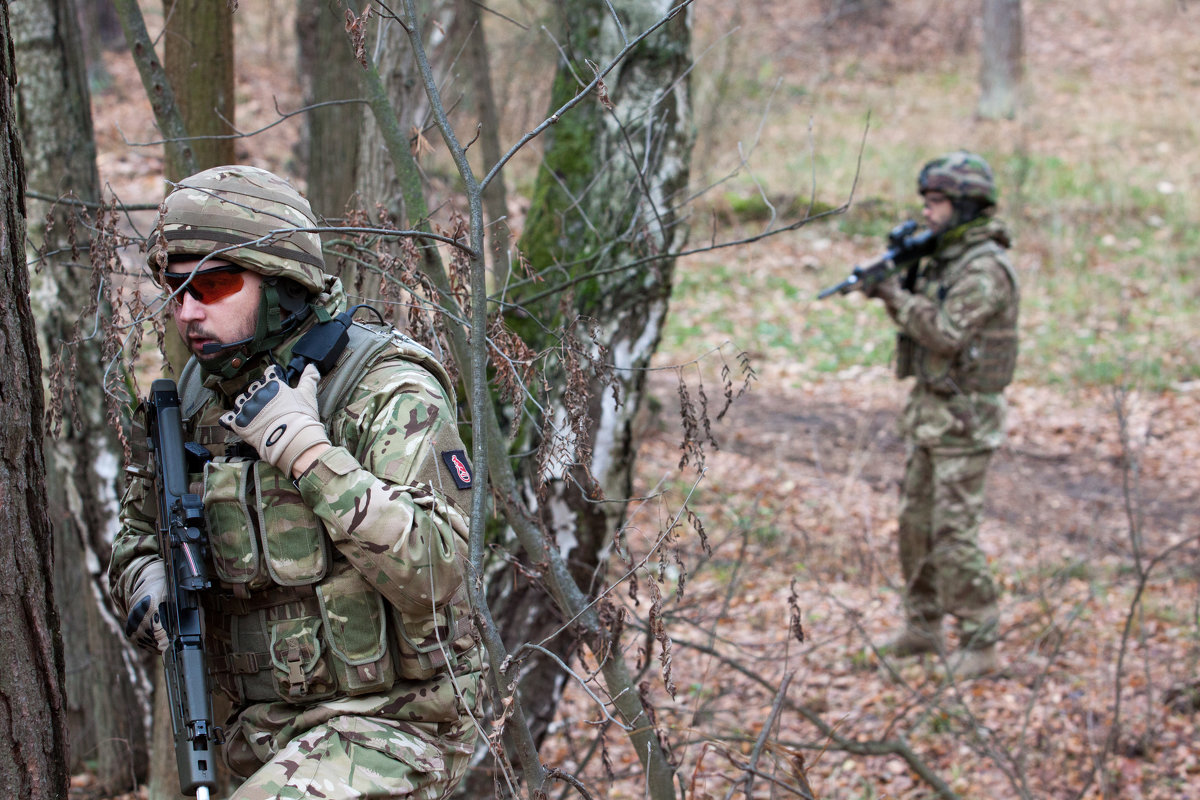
{"x":938,"y":211}
{"x":218,"y":306}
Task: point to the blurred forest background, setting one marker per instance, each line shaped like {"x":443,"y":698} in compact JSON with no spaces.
{"x":770,"y":550}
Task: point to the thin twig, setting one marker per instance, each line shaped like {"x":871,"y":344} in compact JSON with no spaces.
{"x":756,"y":753}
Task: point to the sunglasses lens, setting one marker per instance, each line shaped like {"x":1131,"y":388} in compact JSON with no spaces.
{"x":216,"y":286}
{"x":207,"y":286}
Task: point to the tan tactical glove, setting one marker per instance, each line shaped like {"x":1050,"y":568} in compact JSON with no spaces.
{"x":144,"y":625}
{"x":276,"y":420}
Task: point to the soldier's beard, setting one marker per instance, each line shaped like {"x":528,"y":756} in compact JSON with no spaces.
{"x":196,"y":336}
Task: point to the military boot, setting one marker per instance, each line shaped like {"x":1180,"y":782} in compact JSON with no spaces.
{"x":915,"y":639}
{"x":966,"y":665}
{"x":977,"y":634}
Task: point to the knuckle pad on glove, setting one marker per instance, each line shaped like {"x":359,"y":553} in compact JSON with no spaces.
{"x":256,"y":402}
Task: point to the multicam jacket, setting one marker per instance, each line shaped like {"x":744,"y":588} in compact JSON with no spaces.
{"x":341,"y":593}
{"x":958,"y":337}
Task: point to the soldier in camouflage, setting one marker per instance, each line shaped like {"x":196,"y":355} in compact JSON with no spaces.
{"x":958,"y":338}
{"x":338,"y":625}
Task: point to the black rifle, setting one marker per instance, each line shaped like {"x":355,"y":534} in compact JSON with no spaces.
{"x":905,"y":248}
{"x":183,"y":544}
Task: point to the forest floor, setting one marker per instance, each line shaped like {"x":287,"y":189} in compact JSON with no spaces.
{"x":1084,"y":514}
{"x":1091,"y":530}
{"x":1092,"y":516}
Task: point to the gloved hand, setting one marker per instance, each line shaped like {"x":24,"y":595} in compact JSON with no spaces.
{"x":889,"y":291}
{"x":144,"y":625}
{"x":276,"y":420}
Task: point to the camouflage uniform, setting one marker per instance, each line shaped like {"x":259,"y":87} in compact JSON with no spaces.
{"x":338,"y":625}
{"x":958,"y":338}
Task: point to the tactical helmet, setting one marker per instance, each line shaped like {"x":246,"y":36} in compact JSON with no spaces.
{"x":960,"y":175}
{"x":249,"y":217}
{"x":241,"y":205}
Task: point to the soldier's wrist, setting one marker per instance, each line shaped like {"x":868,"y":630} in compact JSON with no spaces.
{"x":305,"y":461}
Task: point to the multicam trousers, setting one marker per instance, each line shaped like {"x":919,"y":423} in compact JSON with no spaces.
{"x":944,"y":569}
{"x":354,"y":757}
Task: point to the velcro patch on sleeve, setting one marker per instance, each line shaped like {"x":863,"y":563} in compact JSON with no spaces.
{"x":460,"y":469}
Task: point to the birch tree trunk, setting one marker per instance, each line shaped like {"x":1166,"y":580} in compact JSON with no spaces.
{"x":33,"y":734}
{"x":604,"y":200}
{"x":105,"y":713}
{"x":1002,"y":66}
{"x":657,"y":143}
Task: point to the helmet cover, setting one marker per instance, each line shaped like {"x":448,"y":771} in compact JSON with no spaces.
{"x":215,"y":211}
{"x":960,"y":175}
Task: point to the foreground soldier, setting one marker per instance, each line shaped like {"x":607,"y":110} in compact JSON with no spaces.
{"x":338,"y":624}
{"x":958,"y":337}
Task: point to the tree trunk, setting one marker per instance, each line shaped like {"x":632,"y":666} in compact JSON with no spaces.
{"x":867,"y":12}
{"x":104,"y":715}
{"x":198,"y":58}
{"x":331,"y":134}
{"x":198,"y":62}
{"x":99,"y":23}
{"x":376,"y":181}
{"x":33,"y":746}
{"x":101,"y":31}
{"x":604,"y":198}
{"x":495,"y":198}
{"x":1002,"y":60}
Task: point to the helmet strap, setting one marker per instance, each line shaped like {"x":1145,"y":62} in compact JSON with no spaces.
{"x":275,"y":324}
{"x":965,"y":211}
{"x":278,"y":316}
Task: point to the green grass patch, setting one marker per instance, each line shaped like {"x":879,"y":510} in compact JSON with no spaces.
{"x":1105,"y":246}
{"x":776,"y":318}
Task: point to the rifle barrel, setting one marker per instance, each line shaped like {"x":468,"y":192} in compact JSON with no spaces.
{"x":909,"y":249}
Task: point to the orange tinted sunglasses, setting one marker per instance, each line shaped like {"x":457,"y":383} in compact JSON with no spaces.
{"x":209,"y":285}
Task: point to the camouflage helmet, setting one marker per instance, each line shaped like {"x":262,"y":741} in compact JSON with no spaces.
{"x":960,"y":175}
{"x":227,"y":206}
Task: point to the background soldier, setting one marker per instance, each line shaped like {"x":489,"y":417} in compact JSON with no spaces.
{"x":957,"y":316}
{"x":337,"y":624}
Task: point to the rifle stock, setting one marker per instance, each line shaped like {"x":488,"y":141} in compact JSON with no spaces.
{"x":183,"y":544}
{"x":905,"y":248}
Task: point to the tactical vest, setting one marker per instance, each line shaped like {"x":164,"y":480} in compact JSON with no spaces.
{"x":290,"y":619}
{"x":987,"y":363}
